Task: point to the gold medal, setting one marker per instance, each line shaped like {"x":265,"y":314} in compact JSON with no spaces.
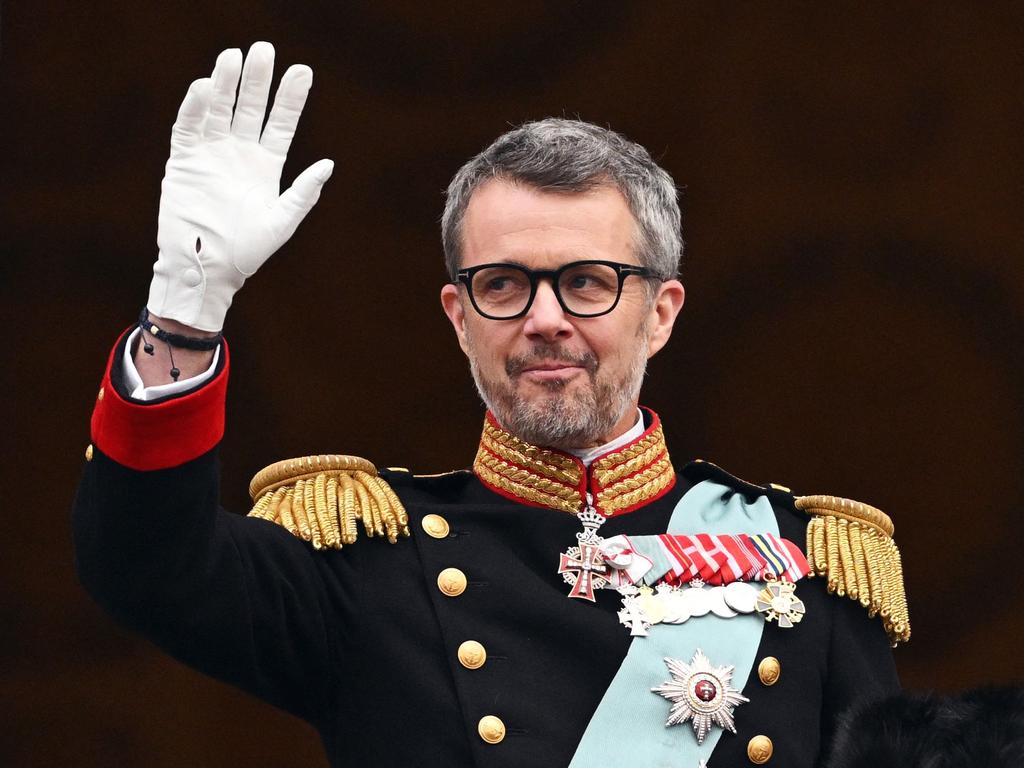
{"x":778,"y":602}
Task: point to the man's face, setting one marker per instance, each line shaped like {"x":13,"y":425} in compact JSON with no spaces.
{"x":550,"y":378}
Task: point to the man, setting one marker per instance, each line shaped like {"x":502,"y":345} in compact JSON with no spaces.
{"x":573,"y":599}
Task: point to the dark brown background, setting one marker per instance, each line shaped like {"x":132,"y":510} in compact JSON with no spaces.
{"x":855,"y":307}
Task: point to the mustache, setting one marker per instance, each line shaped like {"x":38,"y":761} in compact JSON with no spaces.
{"x":542,"y":353}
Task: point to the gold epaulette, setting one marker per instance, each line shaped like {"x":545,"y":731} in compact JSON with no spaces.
{"x":321,"y":498}
{"x":850,"y":544}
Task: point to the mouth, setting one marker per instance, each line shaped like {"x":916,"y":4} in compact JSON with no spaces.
{"x":551,"y":371}
{"x":550,"y":366}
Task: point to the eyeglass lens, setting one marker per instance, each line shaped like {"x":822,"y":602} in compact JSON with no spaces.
{"x":585,"y":289}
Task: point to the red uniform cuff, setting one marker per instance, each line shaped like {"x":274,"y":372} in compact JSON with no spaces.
{"x":162,"y":435}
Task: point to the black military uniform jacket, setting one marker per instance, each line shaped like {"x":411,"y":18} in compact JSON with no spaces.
{"x":364,"y":642}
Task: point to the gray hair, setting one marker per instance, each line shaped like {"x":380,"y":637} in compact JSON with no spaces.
{"x":563,"y":155}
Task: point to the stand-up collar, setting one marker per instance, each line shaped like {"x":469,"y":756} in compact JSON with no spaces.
{"x":617,"y":482}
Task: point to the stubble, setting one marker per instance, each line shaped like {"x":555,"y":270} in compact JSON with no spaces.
{"x":562,"y":415}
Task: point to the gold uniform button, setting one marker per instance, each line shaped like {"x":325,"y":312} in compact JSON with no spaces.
{"x":769,"y":670}
{"x":472,"y":654}
{"x":759,"y":750}
{"x":435,"y":526}
{"x":88,"y":452}
{"x":491,"y":729}
{"x":451,"y":582}
{"x":100,"y":394}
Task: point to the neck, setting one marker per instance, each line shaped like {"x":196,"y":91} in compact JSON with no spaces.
{"x":625,"y":424}
{"x":632,"y":432}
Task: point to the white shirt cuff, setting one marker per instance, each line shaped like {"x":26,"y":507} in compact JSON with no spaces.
{"x":139,"y":391}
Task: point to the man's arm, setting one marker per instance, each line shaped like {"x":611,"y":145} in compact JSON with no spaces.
{"x":237,"y":598}
{"x":240,"y":599}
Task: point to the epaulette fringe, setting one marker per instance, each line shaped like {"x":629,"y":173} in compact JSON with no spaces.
{"x":320,"y":499}
{"x":850,"y":544}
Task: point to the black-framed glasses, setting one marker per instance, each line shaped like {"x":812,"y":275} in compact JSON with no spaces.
{"x":583,"y":288}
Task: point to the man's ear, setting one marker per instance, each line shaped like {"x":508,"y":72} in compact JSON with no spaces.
{"x":451,"y":301}
{"x":667,"y":304}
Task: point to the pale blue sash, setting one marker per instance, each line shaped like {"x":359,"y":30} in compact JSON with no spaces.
{"x":628,"y":728}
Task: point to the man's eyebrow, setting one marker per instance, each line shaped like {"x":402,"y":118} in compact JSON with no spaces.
{"x":514,"y":262}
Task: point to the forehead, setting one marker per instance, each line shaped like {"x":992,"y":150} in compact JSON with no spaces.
{"x":512,"y":222}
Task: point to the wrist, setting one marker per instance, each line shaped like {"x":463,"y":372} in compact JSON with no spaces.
{"x":193,"y":350}
{"x":156,"y":368}
{"x":180,"y":329}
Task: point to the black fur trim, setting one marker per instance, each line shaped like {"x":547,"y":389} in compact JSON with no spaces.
{"x":982,"y":728}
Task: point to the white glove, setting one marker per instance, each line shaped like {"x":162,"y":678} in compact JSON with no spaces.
{"x":221,"y":211}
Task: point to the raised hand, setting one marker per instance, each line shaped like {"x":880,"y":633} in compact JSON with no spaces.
{"x":221,"y":211}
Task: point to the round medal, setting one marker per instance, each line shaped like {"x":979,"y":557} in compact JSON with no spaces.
{"x":675,"y":607}
{"x":696,"y":601}
{"x":716,"y":596}
{"x":741,"y":596}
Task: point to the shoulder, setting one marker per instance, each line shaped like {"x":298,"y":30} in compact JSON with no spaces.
{"x":328,"y":499}
{"x":331,"y":500}
{"x":432,"y":488}
{"x":783,"y":501}
{"x":848,"y":543}
{"x":851,"y":545}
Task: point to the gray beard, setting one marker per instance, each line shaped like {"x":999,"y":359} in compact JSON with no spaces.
{"x":556,"y":419}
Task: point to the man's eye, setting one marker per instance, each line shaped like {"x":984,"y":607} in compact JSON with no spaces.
{"x":579,"y":282}
{"x":498,"y":284}
{"x":592,"y":280}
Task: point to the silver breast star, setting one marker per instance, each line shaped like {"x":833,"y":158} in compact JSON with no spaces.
{"x":700,"y":692}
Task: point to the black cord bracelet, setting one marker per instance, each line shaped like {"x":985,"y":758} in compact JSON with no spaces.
{"x":173,"y":340}
{"x":176,"y":339}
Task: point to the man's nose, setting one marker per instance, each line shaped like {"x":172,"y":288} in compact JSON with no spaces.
{"x":546,"y":319}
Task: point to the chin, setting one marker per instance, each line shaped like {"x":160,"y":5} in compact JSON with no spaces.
{"x":563,"y":412}
{"x":558,"y":420}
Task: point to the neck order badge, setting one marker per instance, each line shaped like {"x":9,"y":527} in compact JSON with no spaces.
{"x":613,"y":484}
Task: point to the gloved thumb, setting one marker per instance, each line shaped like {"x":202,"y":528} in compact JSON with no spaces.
{"x":302,"y":195}
{"x":275,"y":222}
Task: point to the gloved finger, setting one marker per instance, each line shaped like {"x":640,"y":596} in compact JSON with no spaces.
{"x":188,"y":128}
{"x":302,"y":195}
{"x":253,"y":92}
{"x":222,"y":95}
{"x":288,"y":104}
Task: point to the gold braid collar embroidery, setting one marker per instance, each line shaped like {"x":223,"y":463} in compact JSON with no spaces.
{"x":619,"y":481}
{"x":850,"y":544}
{"x":320,"y":499}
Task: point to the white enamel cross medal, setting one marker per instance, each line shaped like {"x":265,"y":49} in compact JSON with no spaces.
{"x":583,"y":566}
{"x":632,"y":614}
